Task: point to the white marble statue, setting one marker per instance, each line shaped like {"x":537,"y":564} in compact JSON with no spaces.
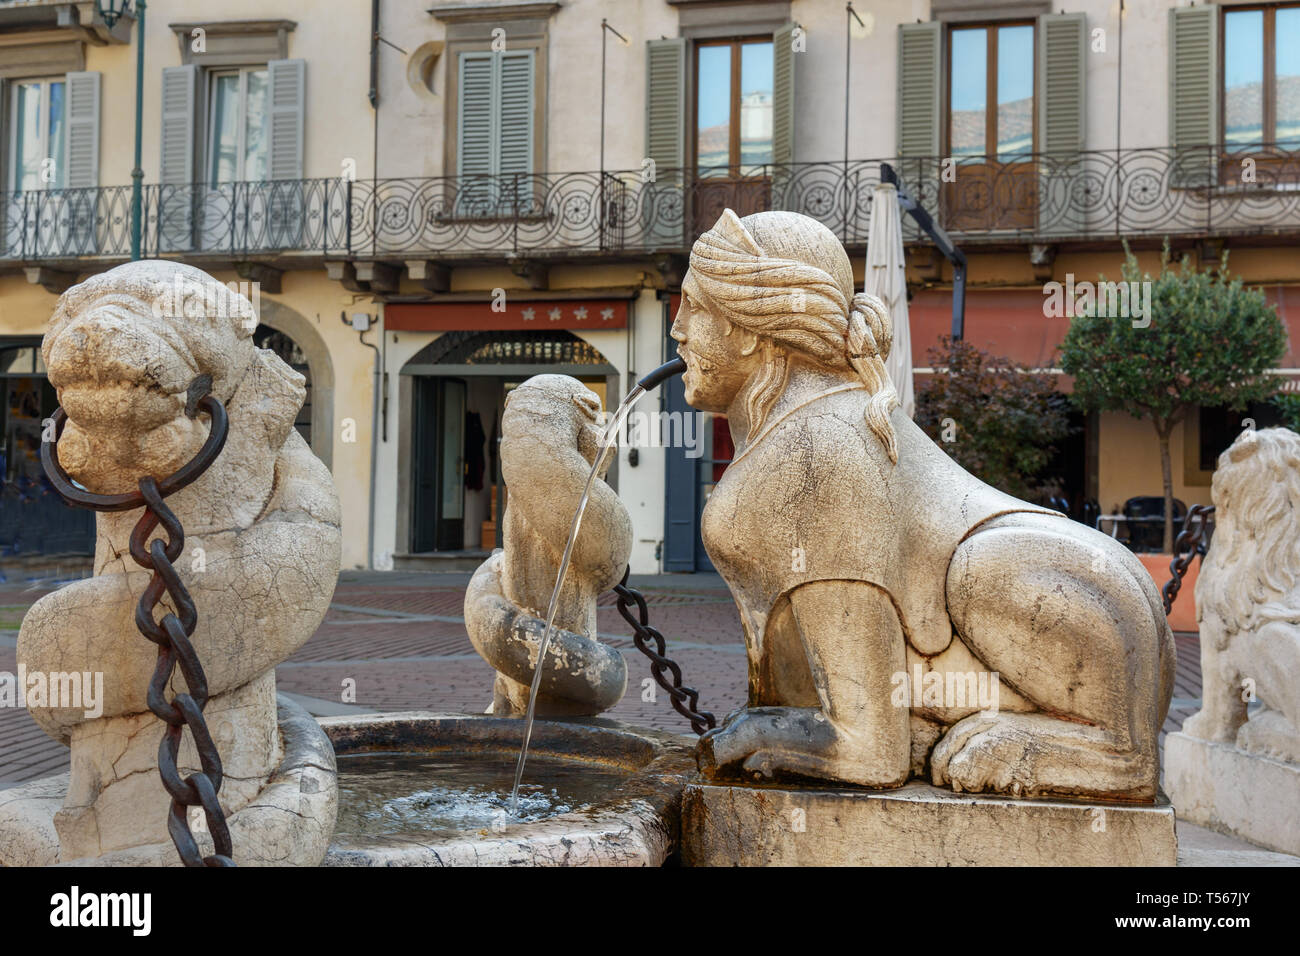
{"x":550,"y":434}
{"x":901,"y":617}
{"x":261,"y":557}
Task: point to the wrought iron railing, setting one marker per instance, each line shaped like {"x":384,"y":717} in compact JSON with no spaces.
{"x":1037,"y":197}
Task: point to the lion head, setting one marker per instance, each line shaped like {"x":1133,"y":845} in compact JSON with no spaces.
{"x":1251,"y":574}
{"x":123,"y":349}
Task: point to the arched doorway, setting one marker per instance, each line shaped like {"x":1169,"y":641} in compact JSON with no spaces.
{"x":34,"y":520}
{"x":296,"y":340}
{"x":452,"y":393}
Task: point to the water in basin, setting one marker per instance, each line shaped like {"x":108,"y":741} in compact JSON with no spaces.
{"x":422,"y":796}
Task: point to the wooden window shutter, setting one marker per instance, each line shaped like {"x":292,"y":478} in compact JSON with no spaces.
{"x":783,"y":95}
{"x":288,"y":92}
{"x":919,"y":69}
{"x":1193,"y":93}
{"x":1061,"y":73}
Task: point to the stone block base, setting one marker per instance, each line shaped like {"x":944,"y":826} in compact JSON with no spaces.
{"x":917,"y":825}
{"x":1224,"y":788}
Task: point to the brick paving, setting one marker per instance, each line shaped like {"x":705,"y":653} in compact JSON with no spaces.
{"x":401,"y":638}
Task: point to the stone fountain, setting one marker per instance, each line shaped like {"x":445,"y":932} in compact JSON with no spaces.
{"x":939,"y":673}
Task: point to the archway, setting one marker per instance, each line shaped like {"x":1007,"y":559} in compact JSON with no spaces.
{"x":301,"y":346}
{"x":452,"y":392}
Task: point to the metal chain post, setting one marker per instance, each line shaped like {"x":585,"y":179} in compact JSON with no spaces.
{"x":685,"y":699}
{"x":171,"y":634}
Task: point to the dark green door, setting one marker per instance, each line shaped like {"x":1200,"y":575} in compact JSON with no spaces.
{"x":438,"y":450}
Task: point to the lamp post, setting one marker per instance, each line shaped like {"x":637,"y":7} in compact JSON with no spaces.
{"x":111,"y":11}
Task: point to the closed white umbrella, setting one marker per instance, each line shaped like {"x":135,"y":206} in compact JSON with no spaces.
{"x":887,"y":281}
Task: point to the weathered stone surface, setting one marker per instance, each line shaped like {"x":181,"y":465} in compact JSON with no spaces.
{"x":637,"y":825}
{"x":288,"y":824}
{"x":1234,"y":769}
{"x":916,"y":825}
{"x":1223,"y":787}
{"x":859,"y":555}
{"x":550,"y":437}
{"x":261,"y":551}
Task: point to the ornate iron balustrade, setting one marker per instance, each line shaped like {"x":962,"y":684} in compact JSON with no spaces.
{"x":1039,"y":197}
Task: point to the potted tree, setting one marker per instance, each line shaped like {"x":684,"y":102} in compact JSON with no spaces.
{"x":1207,"y":340}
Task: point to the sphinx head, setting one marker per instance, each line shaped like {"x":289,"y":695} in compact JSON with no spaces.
{"x":769,"y":288}
{"x":122,"y":350}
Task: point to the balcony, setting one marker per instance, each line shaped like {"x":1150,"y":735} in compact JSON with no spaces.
{"x":1090,"y":197}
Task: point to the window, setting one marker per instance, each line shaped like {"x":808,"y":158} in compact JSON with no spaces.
{"x":37,"y":139}
{"x":735,"y":87}
{"x":494,"y":159}
{"x":1261,"y":76}
{"x":991,"y":91}
{"x":239,"y":117}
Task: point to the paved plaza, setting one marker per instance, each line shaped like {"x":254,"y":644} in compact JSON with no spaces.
{"x":399,"y":639}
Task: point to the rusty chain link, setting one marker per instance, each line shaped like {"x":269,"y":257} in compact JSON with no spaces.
{"x":1191,"y":541}
{"x":685,"y":699}
{"x":171,"y":634}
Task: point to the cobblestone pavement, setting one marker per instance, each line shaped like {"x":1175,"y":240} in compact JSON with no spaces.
{"x":401,"y":638}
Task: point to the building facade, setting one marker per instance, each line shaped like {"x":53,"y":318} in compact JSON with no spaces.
{"x":437,"y":202}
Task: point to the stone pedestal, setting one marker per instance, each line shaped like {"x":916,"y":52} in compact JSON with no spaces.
{"x":917,"y":825}
{"x":1224,"y":788}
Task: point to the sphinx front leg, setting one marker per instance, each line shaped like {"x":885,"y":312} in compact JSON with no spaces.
{"x":859,"y":733}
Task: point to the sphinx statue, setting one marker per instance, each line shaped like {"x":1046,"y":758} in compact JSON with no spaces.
{"x":550,"y":436}
{"x":260,"y":560}
{"x":902,"y":618}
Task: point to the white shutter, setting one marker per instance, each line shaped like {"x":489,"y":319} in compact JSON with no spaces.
{"x":81,"y":145}
{"x":288,"y":83}
{"x":1194,"y":93}
{"x":1061,"y":38}
{"x":665,"y":142}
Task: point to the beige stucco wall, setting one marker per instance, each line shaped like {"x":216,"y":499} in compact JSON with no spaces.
{"x":1128,"y":462}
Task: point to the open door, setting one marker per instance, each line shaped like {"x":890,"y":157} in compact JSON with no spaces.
{"x":439,"y":464}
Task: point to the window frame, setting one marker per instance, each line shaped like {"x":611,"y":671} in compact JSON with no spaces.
{"x":11,"y":147}
{"x":990,"y":154}
{"x":210,"y":121}
{"x":1268,"y":132}
{"x":735,"y":158}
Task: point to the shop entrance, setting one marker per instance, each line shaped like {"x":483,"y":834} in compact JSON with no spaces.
{"x":457,"y":389}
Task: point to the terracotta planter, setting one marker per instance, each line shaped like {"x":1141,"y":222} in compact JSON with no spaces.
{"x":1183,"y":617}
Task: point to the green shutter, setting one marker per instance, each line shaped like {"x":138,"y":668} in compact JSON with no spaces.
{"x":783,"y":95}
{"x":288,"y":91}
{"x":1061,"y":52}
{"x":177,"y":199}
{"x":515,"y":104}
{"x":919,"y":69}
{"x":665,"y":114}
{"x":1193,"y":92}
{"x":475,"y":112}
{"x":81,"y":146}
{"x":663,"y":204}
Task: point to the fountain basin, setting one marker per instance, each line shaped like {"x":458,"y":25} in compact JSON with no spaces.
{"x":601,"y":793}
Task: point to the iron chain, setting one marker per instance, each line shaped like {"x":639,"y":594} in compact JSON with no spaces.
{"x":172,"y":634}
{"x":685,"y":699}
{"x":1193,"y":540}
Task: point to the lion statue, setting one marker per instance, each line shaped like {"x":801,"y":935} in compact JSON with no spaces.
{"x":261,"y":558}
{"x":1248,"y":599}
{"x":901,"y":617}
{"x":550,"y":436}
